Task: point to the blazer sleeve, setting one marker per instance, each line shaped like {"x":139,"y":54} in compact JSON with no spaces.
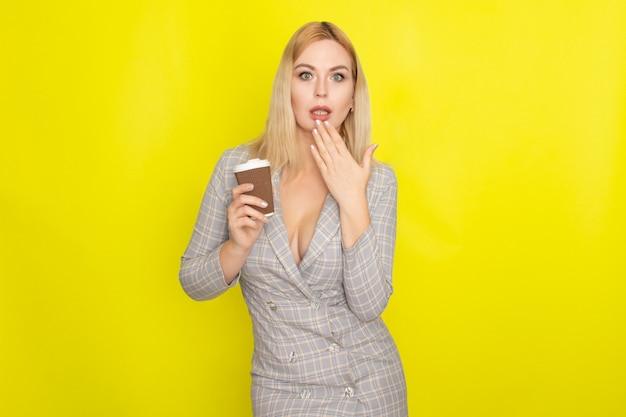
{"x":368,"y":264}
{"x":201,"y":274}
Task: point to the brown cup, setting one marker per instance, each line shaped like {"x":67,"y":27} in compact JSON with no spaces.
{"x":257,"y":171}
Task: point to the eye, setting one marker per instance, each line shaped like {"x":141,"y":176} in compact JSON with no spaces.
{"x":306,"y":75}
{"x":337,"y":77}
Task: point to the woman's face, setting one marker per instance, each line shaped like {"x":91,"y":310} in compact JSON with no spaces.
{"x":322,"y":87}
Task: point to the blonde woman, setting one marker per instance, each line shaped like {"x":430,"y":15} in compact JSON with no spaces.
{"x":316,"y":276}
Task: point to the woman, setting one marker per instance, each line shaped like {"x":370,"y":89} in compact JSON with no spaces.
{"x":317,"y":275}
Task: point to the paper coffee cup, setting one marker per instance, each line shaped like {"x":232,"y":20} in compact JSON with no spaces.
{"x":257,"y":171}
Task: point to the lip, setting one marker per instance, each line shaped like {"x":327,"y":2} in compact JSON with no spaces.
{"x":321,"y":117}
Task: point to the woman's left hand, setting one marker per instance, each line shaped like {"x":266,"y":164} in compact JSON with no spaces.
{"x":345,"y":178}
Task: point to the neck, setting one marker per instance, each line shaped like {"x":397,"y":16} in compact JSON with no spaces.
{"x":308,"y":166}
{"x":305,"y":140}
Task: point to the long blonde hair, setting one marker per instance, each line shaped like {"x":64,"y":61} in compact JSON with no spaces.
{"x":278,"y":141}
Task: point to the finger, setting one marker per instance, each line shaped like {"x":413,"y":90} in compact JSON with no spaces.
{"x":248,"y":212}
{"x":322,"y":147}
{"x":326,"y":136}
{"x":245,"y":222}
{"x":251,"y":200}
{"x":366,"y":161}
{"x":335,"y":137}
{"x":318,"y":159}
{"x":239,"y":194}
{"x":241,"y":189}
{"x":243,"y":207}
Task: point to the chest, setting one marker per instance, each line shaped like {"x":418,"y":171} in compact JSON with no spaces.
{"x":301,"y":202}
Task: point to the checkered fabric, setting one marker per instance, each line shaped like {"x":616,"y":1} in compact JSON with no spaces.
{"x":320,"y":345}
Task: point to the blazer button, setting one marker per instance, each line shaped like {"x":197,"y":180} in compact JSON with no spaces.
{"x":271,"y":305}
{"x":305,"y":393}
{"x":333,"y":348}
{"x":349,"y":392}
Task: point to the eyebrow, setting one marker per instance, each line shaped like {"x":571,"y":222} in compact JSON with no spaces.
{"x":335,"y":68}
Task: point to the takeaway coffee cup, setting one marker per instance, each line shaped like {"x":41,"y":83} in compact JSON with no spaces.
{"x":257,"y":171}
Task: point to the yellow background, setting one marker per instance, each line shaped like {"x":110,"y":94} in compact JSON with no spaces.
{"x":504,"y":120}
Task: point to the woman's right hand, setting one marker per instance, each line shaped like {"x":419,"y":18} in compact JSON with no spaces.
{"x":244,"y":221}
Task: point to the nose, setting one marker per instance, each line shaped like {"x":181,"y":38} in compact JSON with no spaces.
{"x":320,"y":89}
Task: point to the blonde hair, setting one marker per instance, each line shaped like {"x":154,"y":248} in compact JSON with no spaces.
{"x":278,"y":141}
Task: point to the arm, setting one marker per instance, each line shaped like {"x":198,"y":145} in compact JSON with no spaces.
{"x":368,"y":264}
{"x":200,"y":274}
{"x":226,"y":228}
{"x":367,"y":230}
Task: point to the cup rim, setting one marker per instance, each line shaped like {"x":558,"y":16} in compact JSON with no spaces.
{"x":252,"y":164}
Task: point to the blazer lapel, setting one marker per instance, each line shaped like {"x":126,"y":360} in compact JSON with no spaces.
{"x":279,"y":241}
{"x":325,"y":229}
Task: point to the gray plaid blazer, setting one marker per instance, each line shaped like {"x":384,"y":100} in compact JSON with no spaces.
{"x":320,"y":345}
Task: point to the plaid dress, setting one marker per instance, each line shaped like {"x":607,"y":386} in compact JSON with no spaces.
{"x":320,"y":345}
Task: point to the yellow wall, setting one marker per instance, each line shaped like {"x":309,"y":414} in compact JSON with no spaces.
{"x":503,"y":119}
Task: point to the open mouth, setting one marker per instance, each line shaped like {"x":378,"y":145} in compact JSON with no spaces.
{"x":320,"y":113}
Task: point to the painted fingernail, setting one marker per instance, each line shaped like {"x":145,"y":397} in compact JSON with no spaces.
{"x":318,"y":122}
{"x":250,"y":186}
{"x":326,"y":123}
{"x":263,"y":204}
{"x":315,"y":132}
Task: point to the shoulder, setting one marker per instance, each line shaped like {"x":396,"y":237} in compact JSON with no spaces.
{"x":233,"y":156}
{"x":382,"y":186}
{"x":382,"y":176}
{"x":223,"y":179}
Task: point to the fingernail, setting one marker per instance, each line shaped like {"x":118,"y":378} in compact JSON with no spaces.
{"x":318,"y":122}
{"x":375,"y":146}
{"x":315,"y":132}
{"x":326,"y":123}
{"x":250,"y":186}
{"x":263,"y":204}
{"x":312,"y":147}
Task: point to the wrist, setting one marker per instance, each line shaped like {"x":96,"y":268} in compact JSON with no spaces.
{"x":235,"y":250}
{"x":232,"y":258}
{"x":352,"y":201}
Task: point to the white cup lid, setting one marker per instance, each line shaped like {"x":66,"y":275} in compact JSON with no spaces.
{"x":252,"y":164}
